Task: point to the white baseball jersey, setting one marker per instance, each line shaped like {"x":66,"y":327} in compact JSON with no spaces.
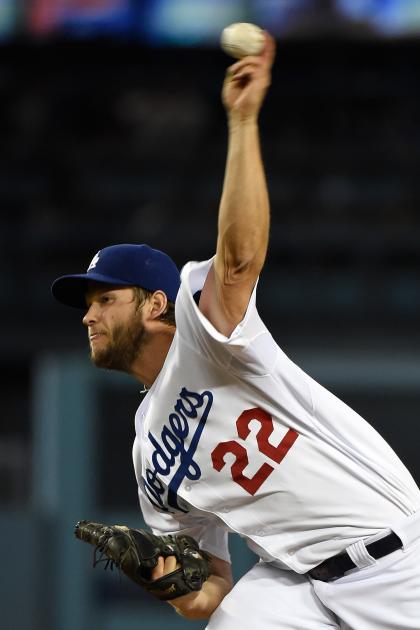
{"x":233,"y":436}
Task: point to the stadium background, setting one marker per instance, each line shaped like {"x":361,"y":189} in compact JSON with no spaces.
{"x":112,"y":130}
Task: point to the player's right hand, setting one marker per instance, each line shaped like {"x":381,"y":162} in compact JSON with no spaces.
{"x":247,"y":81}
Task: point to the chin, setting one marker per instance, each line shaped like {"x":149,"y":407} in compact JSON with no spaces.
{"x":99,"y":359}
{"x":108,"y":361}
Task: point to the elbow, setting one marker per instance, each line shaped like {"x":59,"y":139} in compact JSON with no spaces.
{"x":241,"y":258}
{"x":236,"y":269}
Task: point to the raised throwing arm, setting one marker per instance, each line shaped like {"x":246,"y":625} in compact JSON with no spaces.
{"x":243,"y":223}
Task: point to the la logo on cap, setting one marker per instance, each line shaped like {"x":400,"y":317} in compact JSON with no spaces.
{"x":94,"y":261}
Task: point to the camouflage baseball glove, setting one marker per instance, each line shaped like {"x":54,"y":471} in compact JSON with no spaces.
{"x":136,"y":553}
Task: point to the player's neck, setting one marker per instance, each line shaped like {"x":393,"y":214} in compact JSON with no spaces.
{"x":152,"y":356}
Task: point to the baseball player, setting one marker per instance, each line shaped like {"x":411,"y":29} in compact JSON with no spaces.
{"x":232,"y":436}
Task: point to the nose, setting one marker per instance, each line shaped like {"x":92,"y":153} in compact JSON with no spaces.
{"x":91,"y":316}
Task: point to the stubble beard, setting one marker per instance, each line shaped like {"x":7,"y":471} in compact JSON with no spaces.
{"x":124,"y":346}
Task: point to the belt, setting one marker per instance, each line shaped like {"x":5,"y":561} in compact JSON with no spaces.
{"x":336,"y":566}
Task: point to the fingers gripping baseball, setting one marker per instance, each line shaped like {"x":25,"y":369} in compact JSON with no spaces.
{"x":247,"y":81}
{"x":166,"y":566}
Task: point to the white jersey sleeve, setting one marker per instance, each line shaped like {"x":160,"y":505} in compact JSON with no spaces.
{"x":250,"y":349}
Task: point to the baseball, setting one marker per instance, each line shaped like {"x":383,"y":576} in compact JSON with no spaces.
{"x":241,"y":39}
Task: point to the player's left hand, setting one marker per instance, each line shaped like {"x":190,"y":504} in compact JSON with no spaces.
{"x":164,"y":567}
{"x":247,"y":81}
{"x":169,"y":567}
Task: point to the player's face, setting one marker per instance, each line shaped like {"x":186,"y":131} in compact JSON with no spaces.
{"x":115,"y":327}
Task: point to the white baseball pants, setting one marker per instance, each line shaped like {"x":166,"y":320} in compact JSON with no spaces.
{"x":381,"y":594}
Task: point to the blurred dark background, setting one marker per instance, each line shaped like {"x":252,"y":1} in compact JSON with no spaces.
{"x":112,"y":130}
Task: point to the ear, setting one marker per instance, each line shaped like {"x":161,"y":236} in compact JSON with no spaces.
{"x":157,"y":304}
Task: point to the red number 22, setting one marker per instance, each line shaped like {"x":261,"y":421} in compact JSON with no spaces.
{"x":275,"y":453}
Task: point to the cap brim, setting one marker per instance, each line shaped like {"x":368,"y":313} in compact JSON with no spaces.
{"x":71,"y":290}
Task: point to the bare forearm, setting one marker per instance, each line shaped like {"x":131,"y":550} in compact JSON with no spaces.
{"x":202,"y":604}
{"x":244,"y":209}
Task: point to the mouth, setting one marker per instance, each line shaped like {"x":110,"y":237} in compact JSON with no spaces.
{"x":95,"y":336}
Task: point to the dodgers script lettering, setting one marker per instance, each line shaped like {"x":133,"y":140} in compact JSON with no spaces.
{"x":171,"y":455}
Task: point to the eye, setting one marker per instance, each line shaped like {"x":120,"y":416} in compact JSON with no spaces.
{"x":105,"y":299}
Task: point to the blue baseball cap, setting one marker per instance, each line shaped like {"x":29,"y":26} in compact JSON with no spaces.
{"x":121,"y":265}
